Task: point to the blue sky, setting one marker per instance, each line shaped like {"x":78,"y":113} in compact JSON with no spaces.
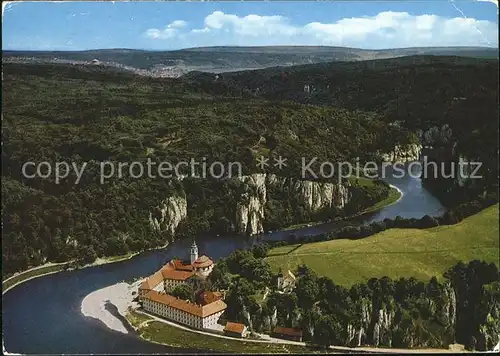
{"x":175,"y":25}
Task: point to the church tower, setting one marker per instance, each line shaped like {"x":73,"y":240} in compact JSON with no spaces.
{"x":194,"y":252}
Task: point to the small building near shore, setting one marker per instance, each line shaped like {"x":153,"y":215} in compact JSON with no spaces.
{"x":291,"y":334}
{"x":285,"y":283}
{"x":235,"y":329}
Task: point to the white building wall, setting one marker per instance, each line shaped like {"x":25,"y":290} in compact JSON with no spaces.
{"x":211,"y":320}
{"x":173,"y":314}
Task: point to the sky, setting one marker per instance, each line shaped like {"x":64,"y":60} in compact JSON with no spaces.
{"x":157,"y":25}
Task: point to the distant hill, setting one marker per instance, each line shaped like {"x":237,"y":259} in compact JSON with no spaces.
{"x":222,"y":59}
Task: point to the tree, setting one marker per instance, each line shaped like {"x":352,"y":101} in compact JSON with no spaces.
{"x":260,"y":250}
{"x":429,"y":221}
{"x":307,"y":290}
{"x":327,"y":332}
{"x":184,"y":292}
{"x":219,"y":277}
{"x":88,"y":255}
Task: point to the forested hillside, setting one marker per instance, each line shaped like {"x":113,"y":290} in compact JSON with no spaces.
{"x":55,"y":113}
{"x":418,"y":93}
{"x":86,"y":114}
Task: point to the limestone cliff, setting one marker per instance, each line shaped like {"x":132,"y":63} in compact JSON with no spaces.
{"x":440,"y":146}
{"x":403,"y":153}
{"x":436,"y":136}
{"x":378,"y":325}
{"x":250,"y":212}
{"x":171,"y":212}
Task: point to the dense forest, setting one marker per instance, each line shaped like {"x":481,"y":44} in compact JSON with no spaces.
{"x":88,"y":115}
{"x":460,"y":307}
{"x":83,"y":115}
{"x":415,"y":93}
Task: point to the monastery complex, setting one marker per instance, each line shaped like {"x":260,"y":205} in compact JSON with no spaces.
{"x":202,"y":314}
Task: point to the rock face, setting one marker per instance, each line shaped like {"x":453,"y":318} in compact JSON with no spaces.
{"x":250,"y":209}
{"x":250,"y":212}
{"x":436,"y":136}
{"x":316,"y":195}
{"x":440,"y":146}
{"x":172,"y":211}
{"x":382,"y":328}
{"x":403,"y":153}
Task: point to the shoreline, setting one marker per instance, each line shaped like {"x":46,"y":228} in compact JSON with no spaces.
{"x":361,"y":213}
{"x":98,"y":262}
{"x":120,"y":295}
{"x":112,"y":259}
{"x":401,"y":194}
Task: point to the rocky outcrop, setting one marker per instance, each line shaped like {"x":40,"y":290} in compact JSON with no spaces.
{"x":71,"y":241}
{"x":357,"y":330}
{"x":440,"y":146}
{"x":171,"y":212}
{"x":436,"y":136}
{"x":250,"y":209}
{"x":403,"y":153}
{"x":250,"y":212}
{"x":248,"y":318}
{"x":382,"y":328}
{"x":316,"y":196}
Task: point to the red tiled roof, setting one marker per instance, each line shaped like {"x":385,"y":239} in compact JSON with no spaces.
{"x":203,"y":261}
{"x":177,"y":270}
{"x":168,"y":272}
{"x":288,"y":331}
{"x":234,"y":327}
{"x":181,"y":265}
{"x":208,"y":297}
{"x":191,"y":308}
{"x":152,"y":281}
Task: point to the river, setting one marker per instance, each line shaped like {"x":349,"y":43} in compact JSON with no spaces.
{"x":43,"y":315}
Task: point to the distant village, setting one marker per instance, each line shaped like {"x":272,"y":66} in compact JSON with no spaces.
{"x":158,"y":71}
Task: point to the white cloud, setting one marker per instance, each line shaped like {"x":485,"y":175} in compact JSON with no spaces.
{"x":385,"y":30}
{"x":178,"y":24}
{"x":172,"y":30}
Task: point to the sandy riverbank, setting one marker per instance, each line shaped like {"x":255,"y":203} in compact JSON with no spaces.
{"x":121,"y":295}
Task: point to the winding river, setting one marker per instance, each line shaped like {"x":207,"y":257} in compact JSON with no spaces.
{"x":43,"y":315}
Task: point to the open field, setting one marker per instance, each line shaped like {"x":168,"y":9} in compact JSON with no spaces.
{"x":397,"y":252}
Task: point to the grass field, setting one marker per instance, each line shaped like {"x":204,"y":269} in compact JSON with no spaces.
{"x":170,"y":335}
{"x":397,"y":252}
